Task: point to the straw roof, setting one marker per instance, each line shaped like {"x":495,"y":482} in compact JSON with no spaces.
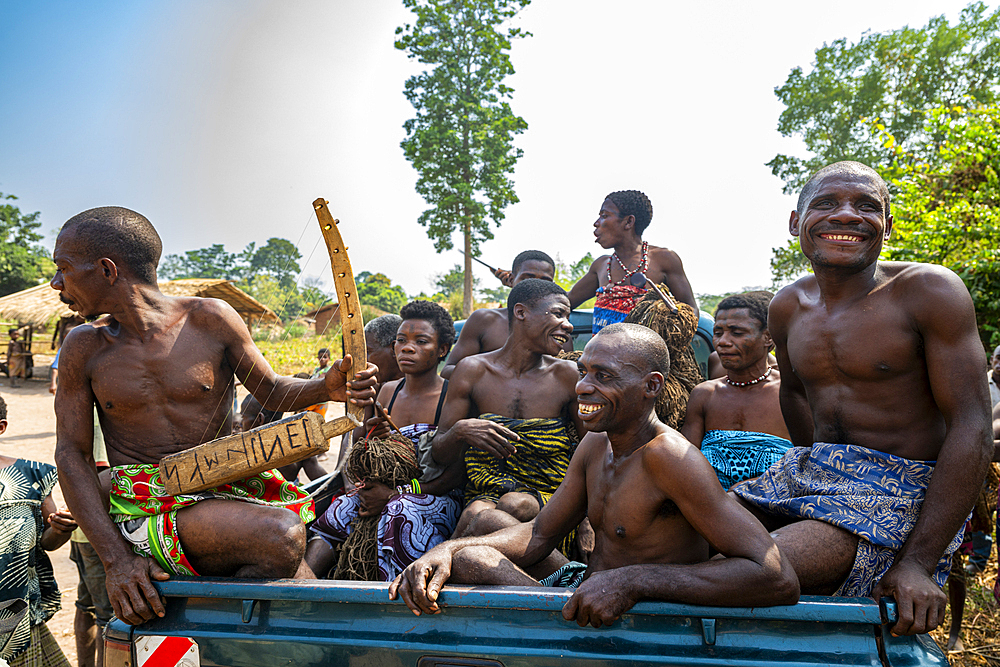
{"x":38,"y":305}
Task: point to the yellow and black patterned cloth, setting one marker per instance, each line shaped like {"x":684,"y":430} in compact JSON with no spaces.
{"x":537,"y":467}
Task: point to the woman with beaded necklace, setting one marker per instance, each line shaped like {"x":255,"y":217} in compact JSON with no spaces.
{"x":623,"y":218}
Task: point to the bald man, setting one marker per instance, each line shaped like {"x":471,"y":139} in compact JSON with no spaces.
{"x":653,"y":500}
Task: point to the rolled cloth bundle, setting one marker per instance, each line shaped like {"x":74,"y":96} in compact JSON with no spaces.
{"x":676,"y":328}
{"x":390,"y":461}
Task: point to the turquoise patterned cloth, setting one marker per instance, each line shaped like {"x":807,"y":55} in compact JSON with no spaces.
{"x":874,"y":495}
{"x":740,"y":455}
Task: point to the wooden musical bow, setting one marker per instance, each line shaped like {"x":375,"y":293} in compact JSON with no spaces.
{"x":294,"y":438}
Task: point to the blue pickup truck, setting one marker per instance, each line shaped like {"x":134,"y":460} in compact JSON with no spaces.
{"x":239,"y":623}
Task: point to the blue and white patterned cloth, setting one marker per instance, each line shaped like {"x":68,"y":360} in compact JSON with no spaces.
{"x":874,"y":495}
{"x":740,"y":455}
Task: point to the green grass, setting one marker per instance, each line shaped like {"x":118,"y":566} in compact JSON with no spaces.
{"x":289,"y":355}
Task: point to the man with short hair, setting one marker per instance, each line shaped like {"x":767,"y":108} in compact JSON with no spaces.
{"x":883,"y":395}
{"x":161,"y":372}
{"x":653,"y":500}
{"x":736,"y":421}
{"x":623,"y":218}
{"x":486,"y":329}
{"x":380,"y":340}
{"x":507,"y":412}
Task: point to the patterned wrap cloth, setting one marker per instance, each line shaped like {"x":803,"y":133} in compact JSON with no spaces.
{"x":536,"y":468}
{"x":147,"y":515}
{"x":569,"y":575}
{"x":614,"y":303}
{"x":25,"y":569}
{"x":741,"y":455}
{"x":874,"y":495}
{"x":410,"y":525}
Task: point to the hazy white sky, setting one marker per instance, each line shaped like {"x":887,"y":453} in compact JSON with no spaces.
{"x":221,"y":121}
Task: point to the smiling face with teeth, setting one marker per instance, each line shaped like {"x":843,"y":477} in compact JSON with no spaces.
{"x":546,"y":322}
{"x":617,"y":387}
{"x":843,"y":222}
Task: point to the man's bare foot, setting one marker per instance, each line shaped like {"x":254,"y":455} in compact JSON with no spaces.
{"x":954,"y":644}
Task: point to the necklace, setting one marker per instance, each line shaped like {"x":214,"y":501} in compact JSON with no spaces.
{"x":748,"y":382}
{"x":641,"y":268}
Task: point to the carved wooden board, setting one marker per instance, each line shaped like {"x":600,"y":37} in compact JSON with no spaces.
{"x":244,"y":454}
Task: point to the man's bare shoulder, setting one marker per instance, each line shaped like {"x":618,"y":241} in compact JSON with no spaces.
{"x":85,"y":338}
{"x":482,"y":319}
{"x":706,"y":389}
{"x":670,"y":457}
{"x":931,"y":280}
{"x":664,"y":258}
{"x":473,"y":367}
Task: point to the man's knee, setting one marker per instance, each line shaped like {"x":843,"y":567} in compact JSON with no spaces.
{"x":490,"y":521}
{"x":521,"y":506}
{"x":282,"y":543}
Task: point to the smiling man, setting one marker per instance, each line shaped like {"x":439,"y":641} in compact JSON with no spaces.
{"x":736,"y":420}
{"x":653,"y":500}
{"x":507,"y":413}
{"x":883,"y":394}
{"x":623,"y":218}
{"x":487,"y":328}
{"x":160,"y":371}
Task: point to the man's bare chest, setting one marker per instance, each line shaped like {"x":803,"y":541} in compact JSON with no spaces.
{"x":864,"y":343}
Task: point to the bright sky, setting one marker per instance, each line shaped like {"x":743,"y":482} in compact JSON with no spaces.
{"x":221,"y":121}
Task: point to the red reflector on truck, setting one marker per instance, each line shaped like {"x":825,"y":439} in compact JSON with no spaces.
{"x":154,"y":651}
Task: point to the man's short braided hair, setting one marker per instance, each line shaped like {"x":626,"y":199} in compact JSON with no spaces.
{"x":633,"y":202}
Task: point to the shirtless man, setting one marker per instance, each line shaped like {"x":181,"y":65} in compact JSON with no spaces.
{"x":513,"y":403}
{"x":653,"y":501}
{"x":486,"y":329}
{"x":736,"y":422}
{"x":623,"y":218}
{"x":881,"y":372}
{"x":160,"y":370}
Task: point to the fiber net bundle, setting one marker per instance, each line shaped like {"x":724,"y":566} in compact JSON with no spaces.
{"x":390,"y":461}
{"x":676,"y":328}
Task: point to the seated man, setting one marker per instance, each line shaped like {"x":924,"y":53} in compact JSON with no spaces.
{"x":161,"y":372}
{"x":486,"y":329}
{"x":623,"y":218}
{"x":507,"y":411}
{"x":886,"y":403}
{"x":653,"y":500}
{"x":737,"y":422}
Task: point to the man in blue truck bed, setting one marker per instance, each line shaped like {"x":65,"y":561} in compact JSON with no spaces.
{"x":160,"y":370}
{"x":653,"y":500}
{"x":884,"y":397}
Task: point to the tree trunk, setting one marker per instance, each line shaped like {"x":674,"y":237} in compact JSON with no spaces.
{"x":467,"y":290}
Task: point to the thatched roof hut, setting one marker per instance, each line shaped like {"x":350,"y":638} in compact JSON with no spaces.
{"x":39,"y":305}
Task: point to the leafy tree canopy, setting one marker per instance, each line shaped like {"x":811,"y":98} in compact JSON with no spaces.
{"x":461,"y":138}
{"x":375,"y":289}
{"x":894,"y":76}
{"x":23,"y":262}
{"x":946,"y":203}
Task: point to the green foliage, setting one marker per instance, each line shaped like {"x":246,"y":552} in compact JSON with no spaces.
{"x":461,"y":138}
{"x":23,"y":262}
{"x":894,"y":76}
{"x":946,"y":206}
{"x":285,"y":301}
{"x":788,"y":263}
{"x":707,"y":303}
{"x":278,"y":258}
{"x":567,"y":275}
{"x":375,"y":289}
{"x":453,"y":282}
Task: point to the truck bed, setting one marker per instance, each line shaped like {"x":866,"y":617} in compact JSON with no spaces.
{"x":238,"y":623}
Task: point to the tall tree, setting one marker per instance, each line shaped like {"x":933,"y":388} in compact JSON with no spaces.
{"x":461,"y":141}
{"x":23,"y":262}
{"x":893,"y":76}
{"x":375,"y":289}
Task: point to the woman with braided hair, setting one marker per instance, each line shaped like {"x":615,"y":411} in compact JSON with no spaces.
{"x":623,"y":218}
{"x":397,"y":518}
